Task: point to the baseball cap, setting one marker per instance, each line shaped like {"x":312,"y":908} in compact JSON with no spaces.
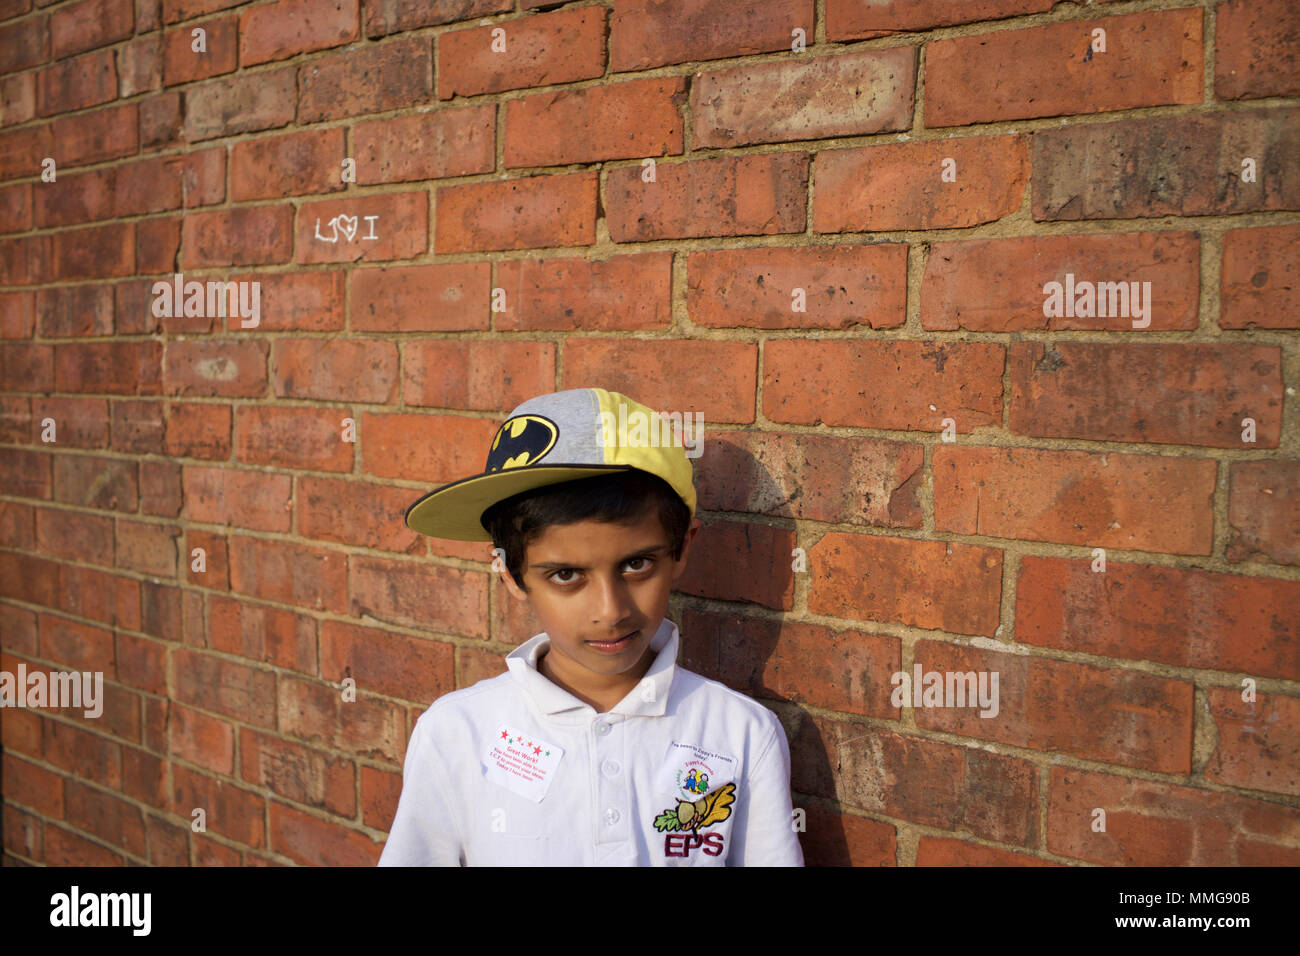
{"x":552,"y":438}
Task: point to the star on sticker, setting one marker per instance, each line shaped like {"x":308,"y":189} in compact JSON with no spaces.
{"x":548,"y":753}
{"x":503,"y":735}
{"x":536,"y":750}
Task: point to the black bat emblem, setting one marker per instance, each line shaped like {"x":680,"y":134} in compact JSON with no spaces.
{"x":522,"y":440}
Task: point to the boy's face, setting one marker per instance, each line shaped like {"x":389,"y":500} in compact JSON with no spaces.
{"x":596,"y":581}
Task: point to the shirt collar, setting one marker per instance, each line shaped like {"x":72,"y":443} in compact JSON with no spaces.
{"x":649,"y":698}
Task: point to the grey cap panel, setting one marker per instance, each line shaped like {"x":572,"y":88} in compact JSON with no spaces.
{"x":572,"y":411}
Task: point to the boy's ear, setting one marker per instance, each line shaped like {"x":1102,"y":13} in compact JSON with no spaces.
{"x":689,"y":536}
{"x":515,"y":590}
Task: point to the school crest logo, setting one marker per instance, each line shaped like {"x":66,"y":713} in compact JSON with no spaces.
{"x":695,"y":815}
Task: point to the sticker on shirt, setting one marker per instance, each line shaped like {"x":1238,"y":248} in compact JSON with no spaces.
{"x":521,"y":763}
{"x":688,"y":772}
{"x":682,"y":824}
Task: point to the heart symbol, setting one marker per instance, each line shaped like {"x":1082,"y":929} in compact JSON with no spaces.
{"x":347,"y":225}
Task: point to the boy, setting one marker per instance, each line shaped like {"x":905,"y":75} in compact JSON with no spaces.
{"x":594,"y":748}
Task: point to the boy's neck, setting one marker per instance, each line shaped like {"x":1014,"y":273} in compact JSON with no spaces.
{"x":602,"y":695}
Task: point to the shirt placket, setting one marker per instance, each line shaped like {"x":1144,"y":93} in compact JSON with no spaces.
{"x":614,"y":845}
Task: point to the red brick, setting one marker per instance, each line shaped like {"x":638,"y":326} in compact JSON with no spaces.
{"x":1151,"y":59}
{"x":335,"y":370}
{"x":842,"y":839}
{"x":82,"y":198}
{"x":878,"y":188}
{"x":238,"y":497}
{"x":549,"y":48}
{"x":26,"y":784}
{"x":988,"y":795}
{"x":380,"y":791}
{"x":846,"y":671}
{"x":298,"y":301}
{"x":381,"y":662}
{"x":1133,"y":502}
{"x":162,"y":120}
{"x":373,"y":78}
{"x":65,"y":848}
{"x":1182,"y":617}
{"x":78,"y":422}
{"x":25,"y":44}
{"x":28,"y":367}
{"x":213,"y":683}
{"x":139,"y":66}
{"x":913,"y":386}
{"x":623,"y":292}
{"x":231,"y":811}
{"x":226,"y":367}
{"x":854,"y":20}
{"x":1174,"y":166}
{"x":675,"y":375}
{"x":426,"y":448}
{"x":316,"y":711}
{"x":1264,"y":512}
{"x":23,"y":834}
{"x":289,"y":573}
{"x":1160,"y":824}
{"x":382,"y":18}
{"x":309,"y":438}
{"x":157,"y":244}
{"x":749,"y":195}
{"x":81,"y":753}
{"x":1260,"y":279}
{"x":138,"y":427}
{"x":148,"y":548}
{"x":86,"y":80}
{"x":484,"y":376}
{"x":18,"y":100}
{"x":75,"y":536}
{"x":307,"y":776}
{"x":996,"y":285}
{"x":853,"y":95}
{"x":271,"y":635}
{"x":442,"y":297}
{"x":183,"y":64}
{"x":246,"y":235}
{"x":168,"y":842}
{"x":619,"y":121}
{"x":363,"y":514}
{"x":1257,"y":745}
{"x":940,"y":851}
{"x":96,"y":482}
{"x":16,"y":208}
{"x":1104,"y":714}
{"x":523,"y":213}
{"x":278,"y":166}
{"x":925,"y":584}
{"x":93,"y":137}
{"x":94,"y":253}
{"x":435,"y":145}
{"x":843,"y":287}
{"x":1255,"y":49}
{"x":240,"y":104}
{"x":198,"y":431}
{"x":418,"y":595}
{"x":286,"y":29}
{"x":731,"y":561}
{"x":199,"y":739}
{"x":18,"y":317}
{"x":649,"y":33}
{"x":311,"y":840}
{"x":1167,"y":393}
{"x":118,"y":367}
{"x":401,"y":230}
{"x":174,"y":11}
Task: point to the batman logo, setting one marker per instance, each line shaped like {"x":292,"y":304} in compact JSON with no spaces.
{"x":521,"y":441}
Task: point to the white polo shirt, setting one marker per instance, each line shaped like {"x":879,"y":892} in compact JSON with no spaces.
{"x":516,"y":771}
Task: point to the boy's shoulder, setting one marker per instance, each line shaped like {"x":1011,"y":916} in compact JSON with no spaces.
{"x":698,"y":691}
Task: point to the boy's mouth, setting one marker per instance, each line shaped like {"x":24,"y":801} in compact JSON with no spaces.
{"x":616,"y":645}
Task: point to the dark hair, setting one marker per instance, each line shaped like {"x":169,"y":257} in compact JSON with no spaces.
{"x":622,"y":497}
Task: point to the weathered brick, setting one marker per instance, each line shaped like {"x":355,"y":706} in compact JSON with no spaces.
{"x":282,"y":30}
{"x":198,"y":431}
{"x":560,"y":47}
{"x":246,"y":235}
{"x":277,"y":166}
{"x":240,"y":104}
{"x":853,"y":95}
{"x":482,"y":376}
{"x":220,"y":54}
{"x":751,"y":195}
{"x":442,"y":297}
{"x":571,"y":293}
{"x":308,"y":776}
{"x":238,"y":497}
{"x":902,"y":185}
{"x":731,"y":561}
{"x":272,"y":635}
{"x":843,"y":286}
{"x":649,"y":33}
{"x":418,"y":595}
{"x":1264,"y":512}
{"x":434,"y":145}
{"x":1178,"y":616}
{"x":426,"y":448}
{"x":381,"y":662}
{"x":854,"y":20}
{"x":1255,"y":49}
{"x":382,"y":17}
{"x":1260,"y":279}
{"x":86,"y":80}
{"x":1134,"y":502}
{"x":926,"y":584}
{"x":227,"y":367}
{"x":529,"y":212}
{"x":373,"y":78}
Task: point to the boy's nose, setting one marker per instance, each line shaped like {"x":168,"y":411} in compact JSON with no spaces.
{"x":614,"y":605}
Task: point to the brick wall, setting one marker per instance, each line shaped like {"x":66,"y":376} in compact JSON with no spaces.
{"x":831,"y":227}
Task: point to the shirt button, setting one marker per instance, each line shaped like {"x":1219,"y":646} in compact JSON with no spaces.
{"x":611,"y":816}
{"x":610,"y":767}
{"x":602,"y":728}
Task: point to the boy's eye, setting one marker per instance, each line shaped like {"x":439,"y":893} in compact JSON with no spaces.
{"x":644,"y":563}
